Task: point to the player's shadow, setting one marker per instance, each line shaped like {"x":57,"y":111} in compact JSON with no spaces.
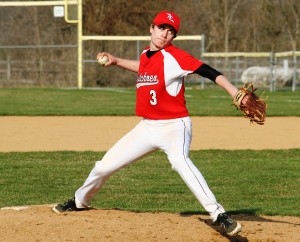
{"x":239,"y":215}
{"x":251,"y":215}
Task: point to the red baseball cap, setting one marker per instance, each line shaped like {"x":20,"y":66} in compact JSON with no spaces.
{"x":170,"y":18}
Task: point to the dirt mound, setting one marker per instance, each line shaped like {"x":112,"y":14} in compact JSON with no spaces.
{"x":40,"y":223}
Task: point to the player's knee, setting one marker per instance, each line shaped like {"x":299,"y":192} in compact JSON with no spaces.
{"x":102,"y":169}
{"x":178,"y":162}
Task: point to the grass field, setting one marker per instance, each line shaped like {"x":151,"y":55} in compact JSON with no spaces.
{"x":254,"y":182}
{"x":121,"y":102}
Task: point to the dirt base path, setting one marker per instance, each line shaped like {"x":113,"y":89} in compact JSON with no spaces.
{"x":39,"y":223}
{"x":100,"y":133}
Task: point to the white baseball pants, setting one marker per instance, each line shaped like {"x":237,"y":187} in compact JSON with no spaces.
{"x":174,"y":138}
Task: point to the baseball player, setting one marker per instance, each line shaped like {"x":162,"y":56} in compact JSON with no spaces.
{"x":165,"y":124}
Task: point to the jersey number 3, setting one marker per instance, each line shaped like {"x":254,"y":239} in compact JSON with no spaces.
{"x":153,"y":100}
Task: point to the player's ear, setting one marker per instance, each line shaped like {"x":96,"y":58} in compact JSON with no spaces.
{"x":151,"y":28}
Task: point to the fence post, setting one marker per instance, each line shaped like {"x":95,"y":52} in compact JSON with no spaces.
{"x":40,"y":75}
{"x":294,"y":72}
{"x":202,"y":50}
{"x":8,"y":69}
{"x":272,"y":62}
{"x":138,"y":50}
{"x":237,"y":67}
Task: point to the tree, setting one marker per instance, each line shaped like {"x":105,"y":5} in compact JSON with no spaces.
{"x":290,"y":10}
{"x":229,"y":11}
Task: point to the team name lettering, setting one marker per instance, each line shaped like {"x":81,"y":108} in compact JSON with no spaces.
{"x":146,"y":80}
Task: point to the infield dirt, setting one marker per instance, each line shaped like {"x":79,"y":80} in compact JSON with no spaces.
{"x":100,"y":133}
{"x":39,"y":223}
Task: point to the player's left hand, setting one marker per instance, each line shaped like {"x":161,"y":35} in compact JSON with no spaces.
{"x":250,"y":104}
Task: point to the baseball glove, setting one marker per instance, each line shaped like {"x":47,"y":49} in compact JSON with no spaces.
{"x":253,"y":106}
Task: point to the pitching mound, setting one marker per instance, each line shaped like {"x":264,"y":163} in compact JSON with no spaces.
{"x":40,"y":223}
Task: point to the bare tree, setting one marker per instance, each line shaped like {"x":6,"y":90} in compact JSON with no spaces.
{"x":229,"y":25}
{"x":290,"y":10}
{"x":229,"y":11}
{"x":219,"y":15}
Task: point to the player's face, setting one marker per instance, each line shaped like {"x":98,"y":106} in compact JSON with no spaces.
{"x":161,"y":36}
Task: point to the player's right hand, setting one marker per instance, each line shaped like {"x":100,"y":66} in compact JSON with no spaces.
{"x":112,"y":60}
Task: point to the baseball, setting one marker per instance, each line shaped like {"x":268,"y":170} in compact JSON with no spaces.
{"x":103,"y":60}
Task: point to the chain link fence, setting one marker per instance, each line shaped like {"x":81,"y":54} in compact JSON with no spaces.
{"x":38,"y":66}
{"x":273,"y":71}
{"x":56,"y":66}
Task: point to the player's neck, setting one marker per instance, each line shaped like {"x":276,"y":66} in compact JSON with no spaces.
{"x":153,"y":47}
{"x":150,"y":53}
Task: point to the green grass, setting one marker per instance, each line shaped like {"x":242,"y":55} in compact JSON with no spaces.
{"x":257,"y":182}
{"x":73,"y":102}
{"x":121,"y":102}
{"x":254,"y":182}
